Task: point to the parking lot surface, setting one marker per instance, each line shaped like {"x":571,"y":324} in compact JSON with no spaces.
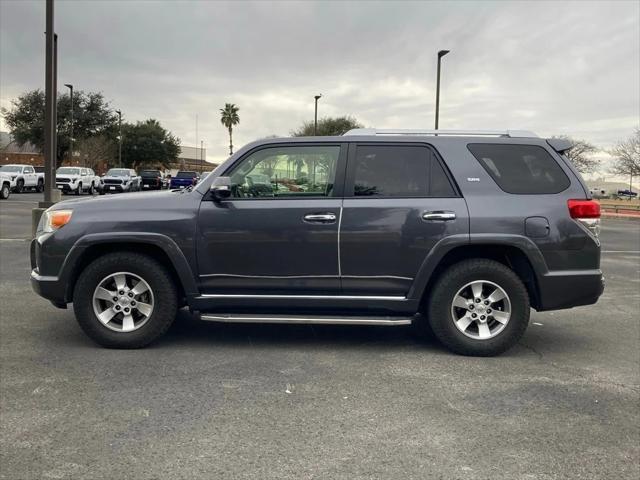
{"x":243,"y":401}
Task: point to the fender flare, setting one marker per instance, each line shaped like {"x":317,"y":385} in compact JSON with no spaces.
{"x":165,"y":243}
{"x":445,"y":245}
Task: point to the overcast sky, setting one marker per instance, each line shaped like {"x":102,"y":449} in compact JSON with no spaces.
{"x":551,"y":67}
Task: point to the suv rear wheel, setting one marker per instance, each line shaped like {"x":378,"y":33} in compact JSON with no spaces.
{"x":125,"y":300}
{"x":479,"y":307}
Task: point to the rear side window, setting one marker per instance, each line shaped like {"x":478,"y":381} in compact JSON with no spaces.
{"x":399,"y":171}
{"x":521,"y":169}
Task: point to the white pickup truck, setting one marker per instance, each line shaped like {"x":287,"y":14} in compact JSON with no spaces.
{"x":6,"y":185}
{"x":24,"y":176}
{"x":77,"y":180}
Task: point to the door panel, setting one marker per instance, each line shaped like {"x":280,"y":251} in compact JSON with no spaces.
{"x":401,"y":202}
{"x":278,"y":232}
{"x":383,"y":242}
{"x":267,"y":246}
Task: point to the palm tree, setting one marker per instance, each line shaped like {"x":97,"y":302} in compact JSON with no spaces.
{"x":229,"y":117}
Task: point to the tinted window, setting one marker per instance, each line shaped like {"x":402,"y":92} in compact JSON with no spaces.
{"x":186,"y":175}
{"x":399,"y":171}
{"x":522,"y":169}
{"x":150,"y":173}
{"x":286,"y":172}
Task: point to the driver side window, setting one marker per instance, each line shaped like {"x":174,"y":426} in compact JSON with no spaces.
{"x":296,"y":171}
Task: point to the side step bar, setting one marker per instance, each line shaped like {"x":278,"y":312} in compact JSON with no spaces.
{"x":305,"y":319}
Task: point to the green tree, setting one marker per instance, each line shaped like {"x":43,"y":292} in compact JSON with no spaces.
{"x":328,"y":126}
{"x":148,"y":144}
{"x":229,"y":117}
{"x":627,"y":157}
{"x":581,"y":155}
{"x":92,"y":116}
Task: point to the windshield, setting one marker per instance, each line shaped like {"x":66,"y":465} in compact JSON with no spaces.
{"x":118,"y":172}
{"x":186,"y":175}
{"x":68,"y":171}
{"x":10,"y":168}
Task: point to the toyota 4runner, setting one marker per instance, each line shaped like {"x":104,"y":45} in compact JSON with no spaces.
{"x":457,"y":233}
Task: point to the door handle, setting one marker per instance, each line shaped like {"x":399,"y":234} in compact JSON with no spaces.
{"x":320,"y":217}
{"x":439,"y":215}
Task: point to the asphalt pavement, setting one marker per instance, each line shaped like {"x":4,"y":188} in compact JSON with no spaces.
{"x":296,"y":402}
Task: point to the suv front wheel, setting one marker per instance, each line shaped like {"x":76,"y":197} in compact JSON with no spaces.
{"x":479,"y":307}
{"x":125,"y":300}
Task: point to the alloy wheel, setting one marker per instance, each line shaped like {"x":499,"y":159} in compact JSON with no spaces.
{"x":481,"y":309}
{"x":123,"y":302}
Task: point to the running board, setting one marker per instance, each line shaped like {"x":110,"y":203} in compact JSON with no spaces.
{"x":306,"y":319}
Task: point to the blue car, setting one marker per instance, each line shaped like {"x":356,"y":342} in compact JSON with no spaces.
{"x":184,"y":179}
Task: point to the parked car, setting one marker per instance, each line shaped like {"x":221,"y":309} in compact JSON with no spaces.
{"x":627,"y":193}
{"x":77,"y":180}
{"x":458,"y":234}
{"x":25,"y":177}
{"x":151,"y":179}
{"x":7,"y":184}
{"x":120,"y":180}
{"x":184,"y":178}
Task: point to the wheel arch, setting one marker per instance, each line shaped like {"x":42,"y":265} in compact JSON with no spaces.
{"x":519,"y":254}
{"x":157,"y":246}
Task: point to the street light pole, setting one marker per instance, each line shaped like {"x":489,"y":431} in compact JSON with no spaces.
{"x":315,"y":121}
{"x":70,"y":87}
{"x":441,"y":54}
{"x":201,"y":155}
{"x":119,"y":112}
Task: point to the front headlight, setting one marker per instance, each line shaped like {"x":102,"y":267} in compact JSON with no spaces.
{"x":52,"y":220}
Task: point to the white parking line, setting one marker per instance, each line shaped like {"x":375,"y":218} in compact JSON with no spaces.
{"x":15,"y":239}
{"x":620,"y":251}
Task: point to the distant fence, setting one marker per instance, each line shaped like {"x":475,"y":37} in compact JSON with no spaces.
{"x":617,"y":208}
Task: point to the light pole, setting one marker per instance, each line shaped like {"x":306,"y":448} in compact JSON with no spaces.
{"x":315,"y":121}
{"x":119,"y":112}
{"x":70,"y":87}
{"x":441,"y":54}
{"x":201,"y":155}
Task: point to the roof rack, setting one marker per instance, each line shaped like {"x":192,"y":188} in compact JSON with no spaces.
{"x":464,"y":133}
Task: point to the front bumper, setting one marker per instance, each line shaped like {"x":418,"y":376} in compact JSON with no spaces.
{"x":569,"y":288}
{"x":66,"y":187}
{"x":50,"y":287}
{"x":115,"y":188}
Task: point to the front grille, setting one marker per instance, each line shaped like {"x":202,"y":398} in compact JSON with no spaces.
{"x":112,"y":181}
{"x":63,"y":180}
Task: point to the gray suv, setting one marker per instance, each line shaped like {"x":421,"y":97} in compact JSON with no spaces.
{"x":456,"y":233}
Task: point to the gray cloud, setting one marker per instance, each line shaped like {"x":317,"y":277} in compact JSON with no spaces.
{"x":552,"y":67}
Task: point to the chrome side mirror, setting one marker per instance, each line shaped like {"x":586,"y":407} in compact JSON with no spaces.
{"x":221,"y":188}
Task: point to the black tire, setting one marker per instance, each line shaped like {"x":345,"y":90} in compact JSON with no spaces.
{"x":164,"y":293}
{"x":5,"y":191}
{"x":79,"y":189}
{"x":19,"y":188}
{"x":40,"y":187}
{"x":446,"y":288}
{"x":92,"y":190}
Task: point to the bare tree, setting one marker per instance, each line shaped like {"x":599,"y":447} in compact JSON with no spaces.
{"x":581,"y":155}
{"x":627,"y":157}
{"x":96,"y":151}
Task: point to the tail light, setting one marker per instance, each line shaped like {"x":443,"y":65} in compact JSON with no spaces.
{"x":587,"y":212}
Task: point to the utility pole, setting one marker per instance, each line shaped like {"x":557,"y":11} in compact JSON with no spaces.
{"x":201,"y":155}
{"x":441,"y":54}
{"x":70,"y":87}
{"x":315,"y":121}
{"x":119,"y":112}
{"x":51,"y":195}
